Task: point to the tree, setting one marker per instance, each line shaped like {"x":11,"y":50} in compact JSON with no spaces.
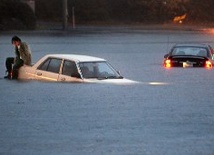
{"x":49,"y":10}
{"x":16,"y":15}
{"x":142,"y":11}
{"x":89,"y":10}
{"x":200,"y":11}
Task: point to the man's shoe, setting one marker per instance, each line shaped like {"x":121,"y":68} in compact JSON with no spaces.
{"x":7,"y":77}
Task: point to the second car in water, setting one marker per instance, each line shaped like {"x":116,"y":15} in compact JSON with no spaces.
{"x":189,"y":55}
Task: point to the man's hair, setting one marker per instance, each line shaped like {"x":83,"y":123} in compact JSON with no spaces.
{"x":15,"y":38}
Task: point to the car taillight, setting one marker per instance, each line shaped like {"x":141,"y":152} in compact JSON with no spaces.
{"x":167,"y":63}
{"x":208,"y":64}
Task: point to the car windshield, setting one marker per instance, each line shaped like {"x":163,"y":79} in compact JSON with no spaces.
{"x":196,"y":51}
{"x":100,"y":70}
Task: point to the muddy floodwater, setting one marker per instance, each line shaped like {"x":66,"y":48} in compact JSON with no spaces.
{"x":169,"y":112}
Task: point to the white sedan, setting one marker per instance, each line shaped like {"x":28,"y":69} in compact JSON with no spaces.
{"x":72,"y":68}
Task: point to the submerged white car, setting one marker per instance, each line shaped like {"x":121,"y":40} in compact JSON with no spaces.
{"x":72,"y":68}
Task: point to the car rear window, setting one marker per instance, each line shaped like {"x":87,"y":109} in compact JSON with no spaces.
{"x":197,"y":51}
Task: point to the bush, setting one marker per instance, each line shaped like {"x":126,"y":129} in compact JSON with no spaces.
{"x":15,"y":15}
{"x":90,"y":11}
{"x":49,"y":10}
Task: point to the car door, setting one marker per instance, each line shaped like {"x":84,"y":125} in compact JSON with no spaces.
{"x":69,"y":72}
{"x":49,"y":69}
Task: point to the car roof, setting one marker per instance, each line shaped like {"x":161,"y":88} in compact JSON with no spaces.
{"x":192,"y":45}
{"x":75,"y":57}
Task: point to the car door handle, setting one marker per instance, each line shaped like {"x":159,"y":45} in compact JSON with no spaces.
{"x":63,"y":79}
{"x":39,"y":74}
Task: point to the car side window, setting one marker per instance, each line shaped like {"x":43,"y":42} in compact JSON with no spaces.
{"x":54,"y":65}
{"x":51,"y":65}
{"x":70,"y":69}
{"x":44,"y":65}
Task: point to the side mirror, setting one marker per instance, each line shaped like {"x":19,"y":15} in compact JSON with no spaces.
{"x":165,"y":56}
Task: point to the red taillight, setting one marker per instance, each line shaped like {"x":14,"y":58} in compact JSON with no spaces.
{"x":208,"y":64}
{"x":167,"y":63}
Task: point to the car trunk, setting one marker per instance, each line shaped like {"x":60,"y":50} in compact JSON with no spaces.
{"x":188,"y":61}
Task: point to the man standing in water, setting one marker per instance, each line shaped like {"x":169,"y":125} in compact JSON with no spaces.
{"x":23,"y":57}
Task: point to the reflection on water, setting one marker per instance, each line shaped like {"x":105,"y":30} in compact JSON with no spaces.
{"x":69,"y":118}
{"x":158,"y":83}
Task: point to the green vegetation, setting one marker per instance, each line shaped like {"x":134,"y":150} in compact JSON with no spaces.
{"x":128,"y":11}
{"x":16,"y":15}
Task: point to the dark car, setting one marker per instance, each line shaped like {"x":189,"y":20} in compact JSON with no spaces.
{"x":189,"y":55}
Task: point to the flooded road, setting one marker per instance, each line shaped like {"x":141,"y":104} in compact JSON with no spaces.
{"x":171,"y":111}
